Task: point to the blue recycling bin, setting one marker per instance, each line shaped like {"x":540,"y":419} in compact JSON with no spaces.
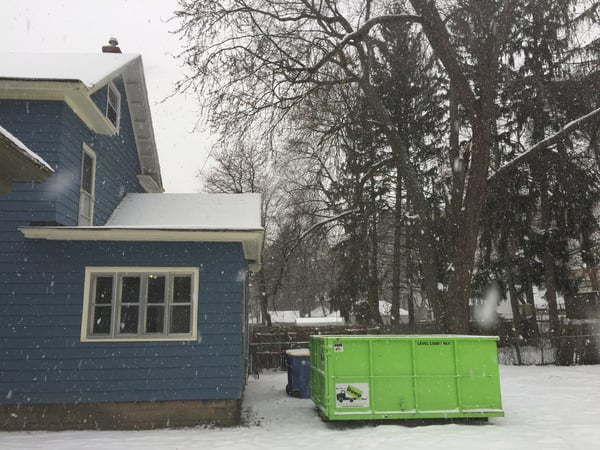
{"x":298,"y":362}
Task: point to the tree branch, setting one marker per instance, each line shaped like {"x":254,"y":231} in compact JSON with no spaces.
{"x":359,"y":33}
{"x":374,"y":168}
{"x":439,"y":39}
{"x":305,"y":233}
{"x":529,"y":154}
{"x":318,"y":225}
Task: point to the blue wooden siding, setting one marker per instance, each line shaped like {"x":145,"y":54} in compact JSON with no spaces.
{"x":53,"y":130}
{"x":117,"y":163}
{"x":43,"y":361}
{"x":38,"y":125}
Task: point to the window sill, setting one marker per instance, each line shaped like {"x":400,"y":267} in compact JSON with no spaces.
{"x":142,"y":339}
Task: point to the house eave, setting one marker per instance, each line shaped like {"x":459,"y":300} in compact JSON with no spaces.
{"x":149,"y":184}
{"x":17,"y":167}
{"x":74,"y":93}
{"x":251,"y":239}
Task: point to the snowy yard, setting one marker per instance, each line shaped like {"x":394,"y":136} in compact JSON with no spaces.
{"x":546,"y":407}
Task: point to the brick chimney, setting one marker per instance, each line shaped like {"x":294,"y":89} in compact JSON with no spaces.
{"x":112,"y":47}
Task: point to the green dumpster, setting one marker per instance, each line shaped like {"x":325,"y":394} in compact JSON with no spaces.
{"x":405,"y":377}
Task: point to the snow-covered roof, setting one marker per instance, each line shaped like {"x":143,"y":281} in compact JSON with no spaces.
{"x":92,"y":69}
{"x":19,"y":164}
{"x":189,"y":211}
{"x":174,"y":218}
{"x":323,"y":311}
{"x":284,"y":316}
{"x":21,"y":148}
{"x":319,"y":321}
{"x":73,"y":78}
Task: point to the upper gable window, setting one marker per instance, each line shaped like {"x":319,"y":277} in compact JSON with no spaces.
{"x":87,"y":187}
{"x":113,"y":106}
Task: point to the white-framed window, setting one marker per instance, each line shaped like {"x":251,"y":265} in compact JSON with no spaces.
{"x":113,"y":106}
{"x":87,"y":187}
{"x":140,"y":304}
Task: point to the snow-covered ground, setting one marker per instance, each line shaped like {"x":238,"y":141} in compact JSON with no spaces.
{"x":546,"y":408}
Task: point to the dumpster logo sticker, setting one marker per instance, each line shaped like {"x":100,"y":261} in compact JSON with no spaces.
{"x":352,"y":395}
{"x":338,"y":347}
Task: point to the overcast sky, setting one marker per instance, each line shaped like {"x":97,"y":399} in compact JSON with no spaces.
{"x":84,"y":26}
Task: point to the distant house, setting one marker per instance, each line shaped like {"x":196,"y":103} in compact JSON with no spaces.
{"x":385,"y":310}
{"x":321,"y":316}
{"x":284,"y":317}
{"x":320,"y":321}
{"x":120,"y":306}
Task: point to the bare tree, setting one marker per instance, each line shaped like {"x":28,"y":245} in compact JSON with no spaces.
{"x":244,"y":168}
{"x":255,"y":61}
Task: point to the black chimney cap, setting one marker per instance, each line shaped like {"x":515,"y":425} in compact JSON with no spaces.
{"x":113,"y":46}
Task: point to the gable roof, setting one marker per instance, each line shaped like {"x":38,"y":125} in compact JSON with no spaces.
{"x":93,"y":69}
{"x":73,"y":78}
{"x":175,"y":217}
{"x":19,"y":163}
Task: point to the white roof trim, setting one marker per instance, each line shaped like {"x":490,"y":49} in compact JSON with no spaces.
{"x":141,"y":121}
{"x":149,"y":185}
{"x":251,"y":240}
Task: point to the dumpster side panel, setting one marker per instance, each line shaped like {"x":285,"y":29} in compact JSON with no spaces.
{"x":317,"y":382}
{"x":350,"y":365}
{"x":393,"y":379}
{"x":350,"y":357}
{"x":435,"y":374}
{"x":477,"y":363}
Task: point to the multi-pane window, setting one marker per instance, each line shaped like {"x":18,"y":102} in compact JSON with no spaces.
{"x":141,"y":304}
{"x":86,"y":190}
{"x":113,"y":106}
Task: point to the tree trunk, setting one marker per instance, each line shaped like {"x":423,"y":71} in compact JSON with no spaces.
{"x":373,"y":276}
{"x":539,"y":132}
{"x":463,"y":261}
{"x":264,"y":299}
{"x":480,"y":108}
{"x":410,"y":270}
{"x":515,"y":307}
{"x":411,"y":306}
{"x":593,"y":278}
{"x":595,"y":145}
{"x":514,"y":298}
{"x":548,"y":258}
{"x":531,"y":301}
{"x":516,"y":322}
{"x":551,"y":292}
{"x":397,"y":255}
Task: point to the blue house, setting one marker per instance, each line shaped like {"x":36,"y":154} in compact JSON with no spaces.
{"x":120,"y":306}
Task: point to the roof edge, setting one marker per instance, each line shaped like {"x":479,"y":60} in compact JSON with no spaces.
{"x":251,"y":239}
